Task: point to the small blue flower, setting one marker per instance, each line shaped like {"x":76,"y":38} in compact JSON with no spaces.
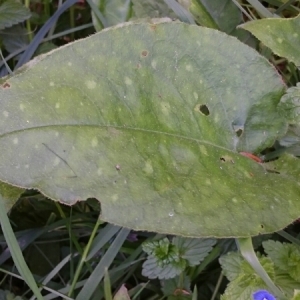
{"x":263,"y":295}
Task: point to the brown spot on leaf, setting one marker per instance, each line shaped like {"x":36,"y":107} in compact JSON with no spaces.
{"x":153,"y":27}
{"x":6,"y":85}
{"x":145,"y":53}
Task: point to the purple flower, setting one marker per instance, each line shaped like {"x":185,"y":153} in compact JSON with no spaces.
{"x":263,"y":295}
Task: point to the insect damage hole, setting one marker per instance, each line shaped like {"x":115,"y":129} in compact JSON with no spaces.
{"x":203,"y":109}
{"x":239,"y":132}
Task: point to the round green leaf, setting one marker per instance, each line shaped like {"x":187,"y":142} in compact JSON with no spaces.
{"x":12,"y":12}
{"x":150,"y":119}
{"x":280,"y":35}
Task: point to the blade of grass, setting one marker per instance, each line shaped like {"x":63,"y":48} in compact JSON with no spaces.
{"x":48,"y":38}
{"x":284,"y":6}
{"x":42,"y":32}
{"x":288,"y":237}
{"x":242,"y":9}
{"x":216,"y":289}
{"x":195,"y":293}
{"x":136,"y":291}
{"x":5,"y":63}
{"x":102,"y":238}
{"x":16,"y":252}
{"x":246,"y":248}
{"x":261,"y":9}
{"x":83,"y":258}
{"x":180,"y":11}
{"x":107,"y":287}
{"x":106,"y":261}
{"x":97,"y":13}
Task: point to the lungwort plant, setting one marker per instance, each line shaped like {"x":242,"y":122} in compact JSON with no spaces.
{"x":164,"y":123}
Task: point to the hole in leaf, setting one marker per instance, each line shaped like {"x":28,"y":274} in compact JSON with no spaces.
{"x":226,"y":158}
{"x":239,"y":132}
{"x":145,"y":53}
{"x":204,"y":109}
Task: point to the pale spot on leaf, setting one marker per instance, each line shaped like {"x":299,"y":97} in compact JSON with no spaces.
{"x":195,"y":95}
{"x":207,"y":182}
{"x":114,"y":197}
{"x":128,"y":81}
{"x":165,"y":107}
{"x":99,"y":172}
{"x":217,"y":118}
{"x":16,"y":141}
{"x":91,"y":84}
{"x":189,"y":68}
{"x":153,"y":64}
{"x":94,"y":142}
{"x":57,"y":105}
{"x":203,"y":150}
{"x":56,"y":161}
{"x":279,"y":40}
{"x":22,"y":107}
{"x":5,"y":114}
{"x":51,"y":83}
{"x":148,"y":167}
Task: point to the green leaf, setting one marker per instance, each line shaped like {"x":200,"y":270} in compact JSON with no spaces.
{"x":152,"y":9}
{"x":280,"y":35}
{"x":163,"y":250}
{"x":180,"y":11}
{"x":286,"y":283}
{"x":296,"y":295}
{"x":114,"y":12}
{"x":14,"y":38}
{"x":166,"y":260}
{"x":247,"y":282}
{"x":290,"y":104}
{"x":285,"y":256}
{"x":218,"y":14}
{"x":13,"y":12}
{"x":152,"y":130}
{"x":231,"y":265}
{"x":193,"y":250}
{"x":291,"y":140}
{"x":153,"y":268}
{"x":175,"y":285}
{"x":10,"y":195}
